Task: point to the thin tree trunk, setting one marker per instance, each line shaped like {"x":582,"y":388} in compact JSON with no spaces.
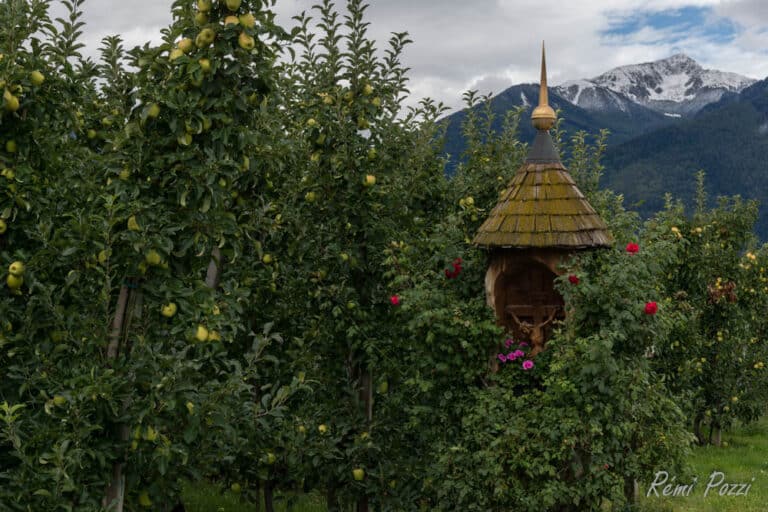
{"x":366,"y":396}
{"x":115,"y":493}
{"x":718,"y":436}
{"x":697,"y":429}
{"x":269,"y":506}
{"x":331,"y":500}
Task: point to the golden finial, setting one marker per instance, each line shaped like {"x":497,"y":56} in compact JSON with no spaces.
{"x":543,"y":116}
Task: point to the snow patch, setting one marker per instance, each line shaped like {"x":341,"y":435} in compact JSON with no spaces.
{"x":672,"y":115}
{"x":524,"y":99}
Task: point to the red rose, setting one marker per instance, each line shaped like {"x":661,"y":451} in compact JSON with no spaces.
{"x":394,"y":300}
{"x":632,"y":248}
{"x":651,"y":308}
{"x":574,"y":279}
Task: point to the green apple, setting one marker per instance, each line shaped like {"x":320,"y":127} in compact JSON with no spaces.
{"x":358,"y":474}
{"x":201,"y":19}
{"x":245,"y":41}
{"x":91,"y":134}
{"x":311,"y":123}
{"x":16,"y":268}
{"x":185,"y":45}
{"x":231,"y":20}
{"x":367,"y":89}
{"x":247,"y":20}
{"x":310,"y":197}
{"x":205,"y":37}
{"x":267,"y":259}
{"x":59,"y":400}
{"x":204,"y":5}
{"x":201,"y":334}
{"x":235,"y":488}
{"x":11,"y":147}
{"x":153,"y":258}
{"x":169,"y":310}
{"x":271,"y":458}
{"x":233,"y":5}
{"x":36,"y":78}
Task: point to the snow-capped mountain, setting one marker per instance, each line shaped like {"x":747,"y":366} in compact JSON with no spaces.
{"x":675,"y":85}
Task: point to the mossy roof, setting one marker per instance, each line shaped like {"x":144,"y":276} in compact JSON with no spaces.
{"x":543,"y":207}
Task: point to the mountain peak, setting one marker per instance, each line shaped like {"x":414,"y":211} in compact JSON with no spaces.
{"x":676,"y":84}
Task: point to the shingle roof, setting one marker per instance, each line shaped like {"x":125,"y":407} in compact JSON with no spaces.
{"x":543,"y":207}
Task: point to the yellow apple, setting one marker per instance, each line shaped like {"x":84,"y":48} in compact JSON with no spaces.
{"x":201,"y":334}
{"x":310,"y":197}
{"x":185,"y":45}
{"x":16,"y":268}
{"x":322,"y":428}
{"x":358,"y":474}
{"x":14,"y":282}
{"x":267,"y":259}
{"x":10,"y":102}
{"x":133,"y":225}
{"x":231,"y":20}
{"x":169,"y":310}
{"x":376,"y":102}
{"x":311,"y":123}
{"x":233,"y":5}
{"x":367,"y":89}
{"x":370,"y":180}
{"x":214,"y":336}
{"x":191,"y":407}
{"x":59,"y":400}
{"x":247,"y":20}
{"x":205,"y":66}
{"x":245,"y":41}
{"x":175,"y":54}
{"x":271,"y":458}
{"x":144,"y":500}
{"x":36,"y":78}
{"x":153,"y":111}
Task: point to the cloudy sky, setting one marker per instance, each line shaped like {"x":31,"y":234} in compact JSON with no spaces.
{"x":489,"y":45}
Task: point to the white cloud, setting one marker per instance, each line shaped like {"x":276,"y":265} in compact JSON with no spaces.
{"x":491,"y":44}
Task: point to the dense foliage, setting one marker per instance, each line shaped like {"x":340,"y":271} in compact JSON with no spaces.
{"x":234,"y":256}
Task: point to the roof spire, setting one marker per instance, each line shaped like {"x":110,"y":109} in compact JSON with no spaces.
{"x":543,"y":116}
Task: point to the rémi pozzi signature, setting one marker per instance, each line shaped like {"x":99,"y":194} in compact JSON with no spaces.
{"x":664,"y":486}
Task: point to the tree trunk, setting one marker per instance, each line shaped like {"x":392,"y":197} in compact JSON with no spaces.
{"x":717,"y":437}
{"x":366,"y":396}
{"x":697,"y":429}
{"x":331,"y":501}
{"x":115,"y":493}
{"x":269,"y":506}
{"x":630,"y":490}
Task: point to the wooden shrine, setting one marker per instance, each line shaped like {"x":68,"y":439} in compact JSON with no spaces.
{"x":541,"y":219}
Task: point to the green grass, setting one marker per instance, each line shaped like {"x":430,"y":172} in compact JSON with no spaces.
{"x":209,"y":497}
{"x":744,"y":458}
